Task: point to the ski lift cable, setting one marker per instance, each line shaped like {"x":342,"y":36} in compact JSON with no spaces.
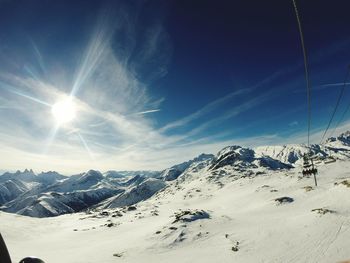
{"x":313,"y":170}
{"x":308,"y":87}
{"x":336,"y":106}
{"x":346,"y":110}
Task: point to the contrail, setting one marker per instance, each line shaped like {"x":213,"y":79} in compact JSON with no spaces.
{"x":85,"y":145}
{"x":334,"y":84}
{"x":38,"y":55}
{"x":93,"y":54}
{"x":147,"y":111}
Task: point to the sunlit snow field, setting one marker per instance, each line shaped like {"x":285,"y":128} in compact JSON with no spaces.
{"x":245,"y":223}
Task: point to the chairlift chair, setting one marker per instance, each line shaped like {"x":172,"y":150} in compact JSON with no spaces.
{"x":308,"y":166}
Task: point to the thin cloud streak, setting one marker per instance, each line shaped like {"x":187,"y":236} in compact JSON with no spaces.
{"x":97,"y":46}
{"x":85,"y":145}
{"x":148,"y":111}
{"x":334,"y":84}
{"x":219,"y":102}
{"x":206,"y":109}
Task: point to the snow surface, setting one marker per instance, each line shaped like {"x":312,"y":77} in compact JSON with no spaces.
{"x":229,"y":215}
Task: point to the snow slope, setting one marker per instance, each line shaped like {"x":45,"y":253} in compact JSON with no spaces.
{"x":225,"y":215}
{"x":10,"y":189}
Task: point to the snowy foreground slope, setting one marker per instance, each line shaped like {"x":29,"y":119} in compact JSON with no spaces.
{"x":226,"y":214}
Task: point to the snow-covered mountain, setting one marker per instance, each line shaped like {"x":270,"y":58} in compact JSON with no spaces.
{"x":135,"y":194}
{"x":48,"y":178}
{"x":43,"y":205}
{"x":129,"y":174}
{"x":10,"y":189}
{"x":243,"y":158}
{"x":175,"y":171}
{"x":335,"y":147}
{"x":25,"y":176}
{"x":13,"y":185}
{"x":343,"y":140}
{"x":52,"y":194}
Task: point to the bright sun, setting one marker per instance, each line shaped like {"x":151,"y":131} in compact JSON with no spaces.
{"x":64,"y":111}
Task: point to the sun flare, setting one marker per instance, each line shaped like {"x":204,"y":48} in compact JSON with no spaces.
{"x":64,"y":111}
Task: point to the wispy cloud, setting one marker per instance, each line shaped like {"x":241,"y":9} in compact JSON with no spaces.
{"x":205,"y":110}
{"x":270,"y":80}
{"x":107,"y":93}
{"x":233,"y":112}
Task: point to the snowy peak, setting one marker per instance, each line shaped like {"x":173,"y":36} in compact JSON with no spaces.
{"x":137,"y":179}
{"x":29,"y":176}
{"x":342,"y":139}
{"x":113,"y":174}
{"x":175,"y":171}
{"x":50,"y":177}
{"x":246,"y":158}
{"x":170,"y":174}
{"x":90,"y":178}
{"x":200,"y":158}
{"x":289,"y":154}
{"x":335,"y":147}
{"x":126,"y":174}
{"x":84,"y":181}
{"x":236,"y":150}
{"x":134,"y":195}
{"x":26,"y":176}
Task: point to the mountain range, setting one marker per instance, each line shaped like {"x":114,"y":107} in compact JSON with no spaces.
{"x":50,"y":194}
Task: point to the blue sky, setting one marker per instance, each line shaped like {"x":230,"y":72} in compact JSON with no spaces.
{"x":158,"y":82}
